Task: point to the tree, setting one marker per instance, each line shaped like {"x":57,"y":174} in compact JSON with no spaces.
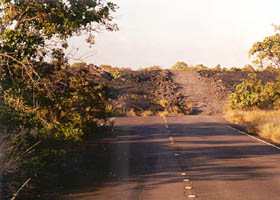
{"x":27,"y":27}
{"x":41,"y":101}
{"x":200,"y":67}
{"x":78,"y":64}
{"x":218,"y":67}
{"x":33,"y":37}
{"x":180,"y":66}
{"x":267,"y":52}
{"x":248,"y":67}
{"x":108,"y":68}
{"x":151,"y":68}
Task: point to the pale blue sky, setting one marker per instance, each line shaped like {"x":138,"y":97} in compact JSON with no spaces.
{"x":162,"y":32}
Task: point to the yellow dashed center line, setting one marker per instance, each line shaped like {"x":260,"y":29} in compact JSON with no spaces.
{"x":171,"y":140}
{"x":184,"y":174}
{"x":188,"y":187}
{"x":165,"y":122}
{"x":192,"y":196}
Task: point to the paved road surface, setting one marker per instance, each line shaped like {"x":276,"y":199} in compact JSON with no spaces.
{"x":147,"y":161}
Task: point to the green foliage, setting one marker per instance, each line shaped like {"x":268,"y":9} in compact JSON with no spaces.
{"x":234,"y":69}
{"x":249,"y":68}
{"x":41,"y":101}
{"x":78,"y":64}
{"x":271,"y":68}
{"x":116,"y":74}
{"x":218,"y":68}
{"x":253,"y":93}
{"x":180,"y":66}
{"x":152,"y":68}
{"x":178,"y":107}
{"x":164,"y":103}
{"x":267,"y":52}
{"x":41,"y":95}
{"x":114,"y":71}
{"x":27,"y":27}
{"x":109,"y":68}
{"x":200,"y":67}
{"x":134,"y":96}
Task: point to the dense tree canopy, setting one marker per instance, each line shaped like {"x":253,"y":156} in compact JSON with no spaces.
{"x":33,"y":36}
{"x":27,"y":27}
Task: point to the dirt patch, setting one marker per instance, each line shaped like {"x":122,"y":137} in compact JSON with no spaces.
{"x":206,"y":98}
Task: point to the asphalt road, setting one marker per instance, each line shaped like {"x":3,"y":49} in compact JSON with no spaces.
{"x":149,"y":161}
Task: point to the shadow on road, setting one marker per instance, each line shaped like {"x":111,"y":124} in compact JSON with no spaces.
{"x":141,"y":157}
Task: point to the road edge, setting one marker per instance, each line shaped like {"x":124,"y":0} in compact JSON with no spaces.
{"x":255,"y":138}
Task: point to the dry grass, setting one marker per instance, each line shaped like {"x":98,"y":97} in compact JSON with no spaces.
{"x":163,"y":114}
{"x":147,"y":113}
{"x":188,"y":106}
{"x":131,"y":113}
{"x":264,"y":123}
{"x":208,"y":112}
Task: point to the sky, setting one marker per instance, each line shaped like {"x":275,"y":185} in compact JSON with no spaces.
{"x":163,"y":32}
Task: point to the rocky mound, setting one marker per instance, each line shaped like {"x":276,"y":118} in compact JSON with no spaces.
{"x":208,"y":90}
{"x":144,"y":92}
{"x":136,"y":93}
{"x":227,"y":80}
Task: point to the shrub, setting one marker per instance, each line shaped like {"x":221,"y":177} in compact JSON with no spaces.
{"x":116,"y":74}
{"x":79,"y":64}
{"x":147,"y":113}
{"x":179,"y":66}
{"x":249,"y":68}
{"x":234,"y":69}
{"x":134,"y":96}
{"x":66,"y":109}
{"x":178,"y":107}
{"x":254,"y":94}
{"x":131,"y":113}
{"x":218,"y":67}
{"x":152,"y":68}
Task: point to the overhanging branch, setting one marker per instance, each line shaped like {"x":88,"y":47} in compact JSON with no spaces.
{"x":22,"y":64}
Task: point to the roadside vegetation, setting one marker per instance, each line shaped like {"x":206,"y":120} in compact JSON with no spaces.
{"x":183,"y":66}
{"x":152,"y":68}
{"x":256,"y":104}
{"x":49,"y":109}
{"x":263,"y":123}
{"x":46,"y":111}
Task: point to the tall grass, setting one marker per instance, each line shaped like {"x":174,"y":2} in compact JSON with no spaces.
{"x":264,"y":123}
